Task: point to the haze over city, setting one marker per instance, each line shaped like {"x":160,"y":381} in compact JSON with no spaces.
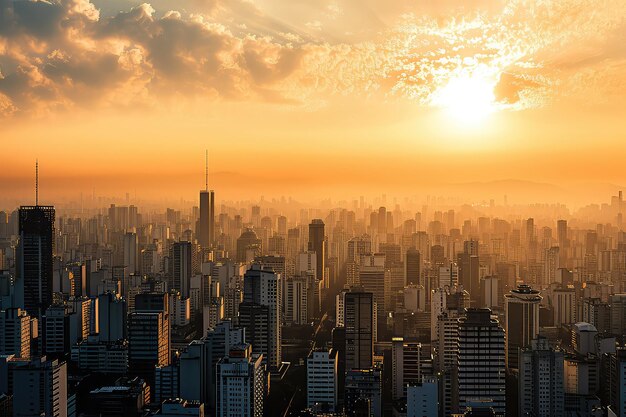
{"x":312,"y":208}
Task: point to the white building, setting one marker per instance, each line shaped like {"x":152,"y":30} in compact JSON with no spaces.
{"x":240,"y":387}
{"x":296,"y":300}
{"x":321,"y":380}
{"x":180,"y":309}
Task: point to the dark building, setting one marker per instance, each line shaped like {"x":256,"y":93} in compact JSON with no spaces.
{"x":359,"y":332}
{"x":148,"y":336}
{"x":469,"y":268}
{"x":413,"y":261}
{"x":126,"y":398}
{"x":35,"y":251}
{"x":317,"y":244}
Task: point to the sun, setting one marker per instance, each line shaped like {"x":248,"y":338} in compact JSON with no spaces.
{"x":468,"y":98}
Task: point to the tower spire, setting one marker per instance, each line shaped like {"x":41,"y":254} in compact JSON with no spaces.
{"x":206,"y":171}
{"x":36,"y":182}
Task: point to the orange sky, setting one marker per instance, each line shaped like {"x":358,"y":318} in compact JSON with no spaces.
{"x":328,"y":97}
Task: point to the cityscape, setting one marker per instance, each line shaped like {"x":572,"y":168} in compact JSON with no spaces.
{"x":365,"y":310}
{"x":312,"y":208}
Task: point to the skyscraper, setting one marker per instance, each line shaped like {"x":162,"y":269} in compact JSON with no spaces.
{"x":359,"y":320}
{"x":205,"y":228}
{"x":521,"y":312}
{"x":469,"y":267}
{"x":317,"y":244}
{"x":481,"y":368}
{"x":181,"y":267}
{"x":260,"y":313}
{"x":405,"y":366}
{"x":541,"y":388}
{"x":34,"y":254}
{"x":413,"y":267}
{"x":148,"y":335}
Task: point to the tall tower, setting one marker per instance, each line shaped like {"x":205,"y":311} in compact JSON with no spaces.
{"x":481,"y":369}
{"x":316,"y":243}
{"x":205,"y":228}
{"x":521,"y":312}
{"x":34,"y":254}
{"x":360,"y":324}
{"x":260,"y":313}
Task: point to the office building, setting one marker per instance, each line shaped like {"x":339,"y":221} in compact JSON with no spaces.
{"x":148,"y":335}
{"x":34,"y":259}
{"x":521,"y":312}
{"x":181,"y":267}
{"x":413,"y":266}
{"x":317,"y":244}
{"x":359,"y":325}
{"x":481,"y":360}
{"x":405,"y":366}
{"x":363,"y":390}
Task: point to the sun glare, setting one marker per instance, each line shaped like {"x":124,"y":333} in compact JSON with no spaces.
{"x":467,"y":98}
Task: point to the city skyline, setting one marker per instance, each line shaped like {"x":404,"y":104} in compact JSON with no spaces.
{"x":312,"y":208}
{"x":405,"y":93}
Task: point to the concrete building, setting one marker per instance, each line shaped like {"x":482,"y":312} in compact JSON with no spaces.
{"x":321,"y":380}
{"x":240,"y":383}
{"x":541,"y":391}
{"x":260,"y":313}
{"x":15,"y":333}
{"x":405,"y":366}
{"x":42,"y":388}
{"x":481,"y":360}
{"x":521,"y":312}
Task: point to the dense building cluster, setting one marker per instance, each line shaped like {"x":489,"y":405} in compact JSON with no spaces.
{"x":273,"y":309}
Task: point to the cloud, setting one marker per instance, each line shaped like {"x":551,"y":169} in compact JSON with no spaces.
{"x":61,"y":54}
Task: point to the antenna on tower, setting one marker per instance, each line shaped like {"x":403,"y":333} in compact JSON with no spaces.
{"x":36,"y":182}
{"x":206,"y":171}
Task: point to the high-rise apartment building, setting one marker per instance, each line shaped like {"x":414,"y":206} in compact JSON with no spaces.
{"x":540,"y":381}
{"x":321,"y":380}
{"x":240,"y":383}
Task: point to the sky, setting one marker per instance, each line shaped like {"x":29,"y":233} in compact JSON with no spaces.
{"x":313,"y":98}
